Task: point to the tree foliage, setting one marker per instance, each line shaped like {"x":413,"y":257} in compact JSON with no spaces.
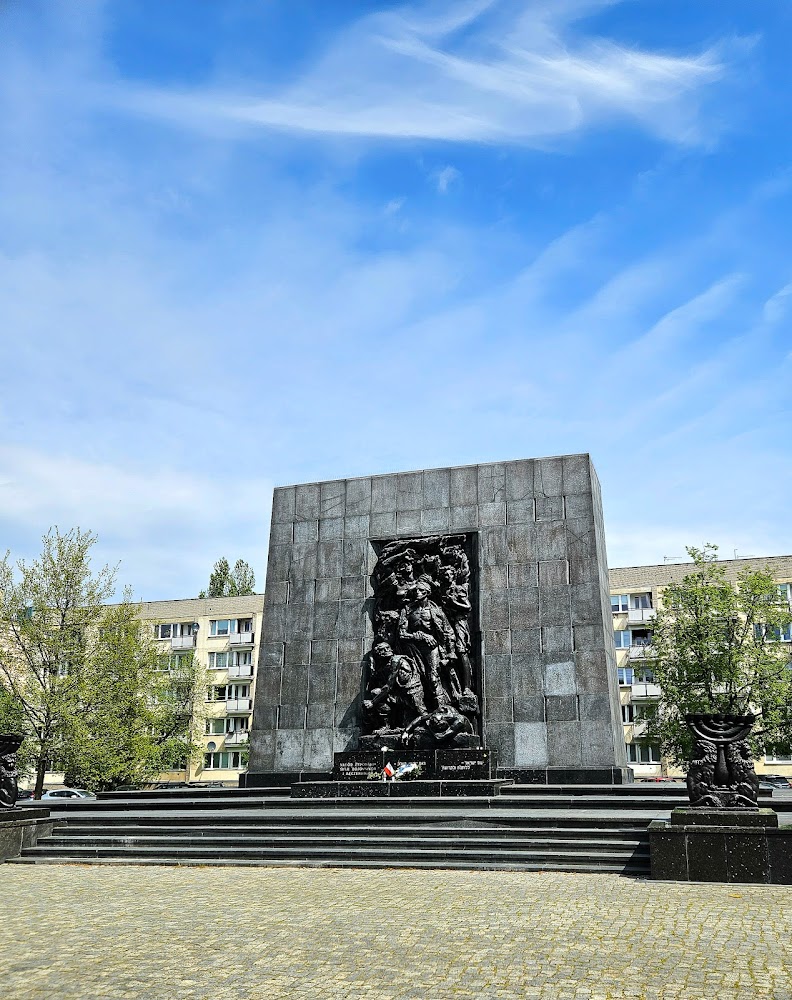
{"x":715,"y":649}
{"x":79,"y":677}
{"x":226,"y":582}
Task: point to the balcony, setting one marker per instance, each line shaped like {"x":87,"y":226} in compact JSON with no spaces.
{"x":183,"y":642}
{"x":640,"y":615}
{"x":237,"y":739}
{"x":645,"y":689}
{"x":238,"y":705}
{"x":641,"y":652}
{"x":242,"y":671}
{"x":242,"y":638}
{"x":639,"y":728}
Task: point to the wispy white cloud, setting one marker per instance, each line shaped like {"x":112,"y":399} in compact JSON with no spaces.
{"x":525,"y":74}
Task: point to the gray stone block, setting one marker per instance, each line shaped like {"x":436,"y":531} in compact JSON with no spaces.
{"x":497,"y":676}
{"x":383,"y":525}
{"x":597,"y":737}
{"x":306,"y":531}
{"x":576,"y":472}
{"x":383,"y":494}
{"x":494,"y":609}
{"x":548,"y":477}
{"x":492,"y":547}
{"x":320,"y":715}
{"x":436,"y":519}
{"x":350,"y":650}
{"x":520,"y":511}
{"x":526,"y":640}
{"x":463,"y":486}
{"x":289,"y":744}
{"x":496,"y":641}
{"x":586,"y":603}
{"x":262,"y":749}
{"x":348,"y":680}
{"x":550,"y":540}
{"x":521,"y":543}
{"x":408,"y":521}
{"x":409,"y":491}
{"x":329,"y":559}
{"x":549,"y":508}
{"x":282,"y":533}
{"x":592,"y":672}
{"x":594,"y":707}
{"x":279,"y":563}
{"x":294,"y":688}
{"x":491,"y":483}
{"x":328,"y":590}
{"x":436,"y":488}
{"x":347,"y":713}
{"x":524,"y":607}
{"x":499,"y":737}
{"x":564,"y":746}
{"x":491,"y":514}
{"x":355,"y":557}
{"x":273,"y":625}
{"x":291,"y":716}
{"x":301,"y":592}
{"x":358,"y":496}
{"x":318,"y":755}
{"x":331,"y":528}
{"x":325,"y":618}
{"x":528,"y":671}
{"x":351,"y":620}
{"x":299,"y":620}
{"x":557,"y":639}
{"x":303,"y":562}
{"x":323,"y":651}
{"x":493,"y":578}
{"x":530,"y":745}
{"x":520,"y":481}
{"x":307,"y":501}
{"x":579,"y":507}
{"x":553,"y":572}
{"x":322,"y":682}
{"x":266,"y":714}
{"x":555,"y":606}
{"x":271,"y":654}
{"x":589,"y":637}
{"x":529,"y":709}
{"x":283,"y":503}
{"x":278,"y":593}
{"x":345,"y":739}
{"x":332,"y":498}
{"x":561,"y":708}
{"x":353,"y":588}
{"x":463,"y":518}
{"x":268,"y":684}
{"x":560,"y":679}
{"x":296,"y":652}
{"x":356,"y":526}
{"x":523,"y":575}
{"x":499,"y":709}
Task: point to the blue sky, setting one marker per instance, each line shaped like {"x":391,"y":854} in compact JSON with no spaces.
{"x":246,"y":243}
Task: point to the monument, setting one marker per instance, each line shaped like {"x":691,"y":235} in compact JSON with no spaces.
{"x":446,"y":611}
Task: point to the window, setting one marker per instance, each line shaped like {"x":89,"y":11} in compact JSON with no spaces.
{"x":244,"y":625}
{"x":225,"y":759}
{"x":641,"y":637}
{"x":172,"y":661}
{"x":173,"y":630}
{"x":227,"y":692}
{"x":219,"y":727}
{"x":218,"y":661}
{"x":773,"y":634}
{"x":785,"y":592}
{"x":243,"y":658}
{"x":778,"y":758}
{"x":229,"y":626}
{"x":625,"y":675}
{"x":621,"y":638}
{"x":628,"y":713}
{"x":619,"y":602}
{"x":643,"y":753}
{"x":643,"y":675}
{"x":640,"y":602}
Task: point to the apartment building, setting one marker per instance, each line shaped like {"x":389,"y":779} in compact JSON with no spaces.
{"x":224,"y":634}
{"x":635,"y":593}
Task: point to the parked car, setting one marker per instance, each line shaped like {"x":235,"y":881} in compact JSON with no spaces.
{"x":24,"y":794}
{"x":776,"y":780}
{"x":66,"y":793}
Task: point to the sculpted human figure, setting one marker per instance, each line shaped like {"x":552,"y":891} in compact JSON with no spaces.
{"x":394,"y":690}
{"x":425,"y":634}
{"x":456,"y":605}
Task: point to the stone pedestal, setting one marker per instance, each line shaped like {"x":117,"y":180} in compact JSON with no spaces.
{"x":441,"y":765}
{"x":721,"y":845}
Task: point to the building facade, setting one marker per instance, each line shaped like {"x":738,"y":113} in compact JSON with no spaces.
{"x":635,"y":594}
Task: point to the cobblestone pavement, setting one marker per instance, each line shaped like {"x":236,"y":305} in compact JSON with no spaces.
{"x":245,"y":934}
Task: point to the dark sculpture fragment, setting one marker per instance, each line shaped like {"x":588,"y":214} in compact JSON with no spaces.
{"x":9,"y":745}
{"x":721,"y":773}
{"x":419,"y":688}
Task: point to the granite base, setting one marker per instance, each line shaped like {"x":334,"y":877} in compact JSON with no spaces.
{"x":396,"y":789}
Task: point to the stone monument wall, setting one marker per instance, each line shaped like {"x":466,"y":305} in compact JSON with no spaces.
{"x":542,"y":623}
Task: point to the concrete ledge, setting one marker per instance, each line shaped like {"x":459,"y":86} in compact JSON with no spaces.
{"x":567,"y":775}
{"x":713,"y":852}
{"x":21,"y":827}
{"x":396,"y":789}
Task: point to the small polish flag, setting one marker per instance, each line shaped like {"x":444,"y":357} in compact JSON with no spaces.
{"x":388,"y":770}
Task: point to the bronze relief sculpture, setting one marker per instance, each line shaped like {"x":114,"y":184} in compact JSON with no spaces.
{"x":419,"y":689}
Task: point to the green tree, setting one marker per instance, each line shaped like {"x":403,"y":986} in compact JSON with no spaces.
{"x":715,"y":649}
{"x":78,"y":675}
{"x":226,"y":582}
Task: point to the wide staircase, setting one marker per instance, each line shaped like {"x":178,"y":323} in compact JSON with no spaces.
{"x":580,"y":828}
